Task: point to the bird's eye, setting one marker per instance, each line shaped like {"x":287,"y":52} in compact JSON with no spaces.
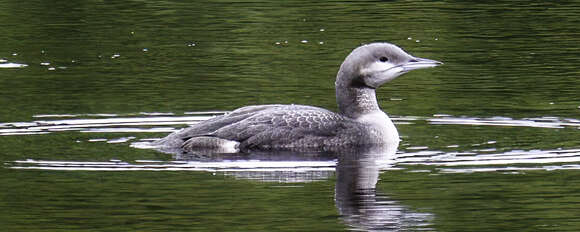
{"x":383,"y":59}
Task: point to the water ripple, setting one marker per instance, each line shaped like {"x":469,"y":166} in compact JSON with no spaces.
{"x":539,"y":122}
{"x":489,"y":158}
{"x":439,"y":158}
{"x":271,"y":171}
{"x":136,"y":123}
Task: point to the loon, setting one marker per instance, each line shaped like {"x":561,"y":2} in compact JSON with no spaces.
{"x":359,"y":122}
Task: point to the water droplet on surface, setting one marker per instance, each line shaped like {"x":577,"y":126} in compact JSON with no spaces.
{"x":12,"y":65}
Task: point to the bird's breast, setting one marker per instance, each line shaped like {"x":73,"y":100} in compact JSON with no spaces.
{"x":380,"y":122}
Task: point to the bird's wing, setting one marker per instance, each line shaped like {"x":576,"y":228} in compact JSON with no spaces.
{"x":211,"y":125}
{"x":286,"y":126}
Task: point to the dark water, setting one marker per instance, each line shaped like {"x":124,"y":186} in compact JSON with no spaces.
{"x":490,"y":140}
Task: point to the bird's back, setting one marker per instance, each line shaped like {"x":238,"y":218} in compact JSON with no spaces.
{"x":263,"y":127}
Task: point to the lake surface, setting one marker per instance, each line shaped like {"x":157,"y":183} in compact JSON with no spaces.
{"x":490,"y":140}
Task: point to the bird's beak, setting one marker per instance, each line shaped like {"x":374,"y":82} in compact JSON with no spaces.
{"x":419,"y":63}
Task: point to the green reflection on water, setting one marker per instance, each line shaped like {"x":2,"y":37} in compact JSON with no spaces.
{"x":500,"y":60}
{"x":504,"y":59}
{"x":526,"y":201}
{"x":181,"y":201}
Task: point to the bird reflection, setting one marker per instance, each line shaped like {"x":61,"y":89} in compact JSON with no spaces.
{"x":358,"y":201}
{"x":357,"y":170}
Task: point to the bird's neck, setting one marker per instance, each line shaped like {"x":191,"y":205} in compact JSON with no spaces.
{"x":356,"y":101}
{"x":359,"y":102}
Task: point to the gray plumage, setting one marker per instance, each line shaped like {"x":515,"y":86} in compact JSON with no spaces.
{"x":297,"y":127}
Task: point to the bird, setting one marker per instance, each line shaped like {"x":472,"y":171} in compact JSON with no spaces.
{"x":359,"y":121}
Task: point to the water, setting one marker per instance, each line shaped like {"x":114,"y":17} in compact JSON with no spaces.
{"x":490,"y":140}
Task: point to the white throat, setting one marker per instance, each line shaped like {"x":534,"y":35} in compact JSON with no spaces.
{"x":382,"y":123}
